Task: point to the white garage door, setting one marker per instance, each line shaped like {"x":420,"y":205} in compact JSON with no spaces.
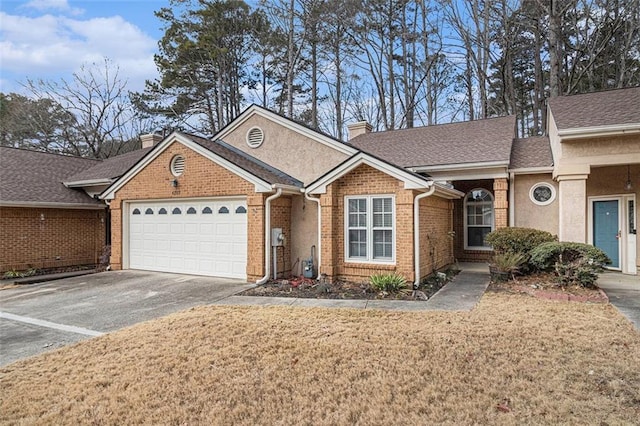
{"x":204,"y":237}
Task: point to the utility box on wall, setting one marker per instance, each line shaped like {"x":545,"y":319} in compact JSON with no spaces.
{"x":277,"y":237}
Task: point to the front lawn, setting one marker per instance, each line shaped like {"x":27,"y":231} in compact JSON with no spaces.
{"x":514,"y":359}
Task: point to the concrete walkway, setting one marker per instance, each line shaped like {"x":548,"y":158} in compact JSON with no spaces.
{"x":623,"y":292}
{"x":461,"y":294}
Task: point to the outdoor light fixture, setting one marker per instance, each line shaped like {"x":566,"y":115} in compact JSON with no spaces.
{"x":628,"y":186}
{"x":174,"y":183}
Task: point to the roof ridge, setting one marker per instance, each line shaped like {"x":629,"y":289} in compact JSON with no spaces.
{"x":58,"y":154}
{"x":428,"y":126}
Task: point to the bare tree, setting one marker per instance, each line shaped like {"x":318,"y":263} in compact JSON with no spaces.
{"x":97,"y":100}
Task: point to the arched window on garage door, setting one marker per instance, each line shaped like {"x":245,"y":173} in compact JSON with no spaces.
{"x":478,"y":219}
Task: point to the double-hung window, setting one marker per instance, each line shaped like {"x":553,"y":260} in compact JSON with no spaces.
{"x":369,"y":223}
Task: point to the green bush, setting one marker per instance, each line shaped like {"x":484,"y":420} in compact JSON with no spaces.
{"x":518,"y":240}
{"x":388,"y":282}
{"x":573,"y":263}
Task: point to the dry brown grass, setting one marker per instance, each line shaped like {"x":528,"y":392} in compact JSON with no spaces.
{"x":513,"y":360}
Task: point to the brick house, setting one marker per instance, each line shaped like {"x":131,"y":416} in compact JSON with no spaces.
{"x":268,"y":193}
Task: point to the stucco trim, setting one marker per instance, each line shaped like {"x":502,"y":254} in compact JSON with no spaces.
{"x":289,"y":124}
{"x":461,"y":166}
{"x":260,"y":185}
{"x":531,"y":170}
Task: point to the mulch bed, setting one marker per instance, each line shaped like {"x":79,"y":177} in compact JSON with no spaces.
{"x":545,"y":286}
{"x":321,"y":289}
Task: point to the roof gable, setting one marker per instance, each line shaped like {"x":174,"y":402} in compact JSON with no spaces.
{"x":35,"y":178}
{"x":288,"y":123}
{"x":411,"y":180}
{"x":476,"y":142}
{"x":241,"y":164}
{"x":107,"y":170}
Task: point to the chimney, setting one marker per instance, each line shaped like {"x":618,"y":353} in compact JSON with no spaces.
{"x":150,"y":139}
{"x":359,"y":128}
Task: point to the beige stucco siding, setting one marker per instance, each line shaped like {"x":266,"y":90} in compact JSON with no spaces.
{"x":304,"y":232}
{"x":297,"y":155}
{"x":528,"y":214}
{"x":600,"y":150}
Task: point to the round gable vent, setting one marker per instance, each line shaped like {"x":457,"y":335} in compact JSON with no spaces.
{"x":255,"y":137}
{"x":177,"y":165}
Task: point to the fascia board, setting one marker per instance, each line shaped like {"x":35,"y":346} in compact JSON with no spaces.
{"x":598,"y":131}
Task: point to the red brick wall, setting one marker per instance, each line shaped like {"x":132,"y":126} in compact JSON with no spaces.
{"x":366,"y":180}
{"x":201,"y":178}
{"x":436,"y":243}
{"x":45,"y":238}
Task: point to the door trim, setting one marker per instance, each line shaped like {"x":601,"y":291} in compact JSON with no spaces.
{"x":626,"y":244}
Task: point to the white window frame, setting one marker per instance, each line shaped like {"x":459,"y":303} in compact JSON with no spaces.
{"x":466,"y":220}
{"x":542,"y":203}
{"x":369,"y":229}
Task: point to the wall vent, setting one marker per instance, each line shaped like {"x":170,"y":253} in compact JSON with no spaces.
{"x":255,"y":137}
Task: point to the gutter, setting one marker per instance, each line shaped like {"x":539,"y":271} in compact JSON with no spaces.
{"x":598,"y":131}
{"x":416,"y":231}
{"x":267,"y":236}
{"x":512,"y":199}
{"x":317,"y":200}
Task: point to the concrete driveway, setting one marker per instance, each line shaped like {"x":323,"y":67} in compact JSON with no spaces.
{"x":623,"y":292}
{"x":39,"y":317}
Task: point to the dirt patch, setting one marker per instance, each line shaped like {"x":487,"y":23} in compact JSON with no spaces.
{"x":545,"y":286}
{"x":512,"y":360}
{"x":299,"y":287}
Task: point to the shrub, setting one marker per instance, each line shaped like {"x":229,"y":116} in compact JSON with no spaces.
{"x":518,"y":240}
{"x":504,"y":265}
{"x":388,"y":282}
{"x":573,"y":263}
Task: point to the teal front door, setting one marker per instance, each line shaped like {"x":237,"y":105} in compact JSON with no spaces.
{"x":606,"y":229}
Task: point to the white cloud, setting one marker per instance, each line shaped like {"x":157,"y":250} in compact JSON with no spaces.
{"x":56,"y":5}
{"x":56,"y":45}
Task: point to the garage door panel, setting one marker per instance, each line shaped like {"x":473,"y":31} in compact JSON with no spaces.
{"x":210,"y":240}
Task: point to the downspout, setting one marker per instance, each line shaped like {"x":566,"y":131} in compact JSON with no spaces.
{"x":267,"y":236}
{"x":317,"y":200}
{"x":416,"y":231}
{"x":512,"y":197}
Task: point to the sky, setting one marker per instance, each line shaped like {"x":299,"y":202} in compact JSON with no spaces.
{"x":52,"y":39}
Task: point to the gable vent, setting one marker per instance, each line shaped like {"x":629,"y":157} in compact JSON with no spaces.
{"x":177,"y":165}
{"x":255,"y":137}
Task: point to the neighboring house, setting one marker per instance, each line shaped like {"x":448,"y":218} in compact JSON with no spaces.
{"x":268,"y":192}
{"x":50,"y":215}
{"x":43,"y":223}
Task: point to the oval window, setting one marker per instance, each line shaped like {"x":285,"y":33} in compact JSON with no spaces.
{"x":542,"y":193}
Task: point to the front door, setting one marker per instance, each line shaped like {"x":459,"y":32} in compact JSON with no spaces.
{"x":606,"y":229}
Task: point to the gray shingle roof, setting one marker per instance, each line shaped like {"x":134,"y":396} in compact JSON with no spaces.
{"x":36,"y":177}
{"x":111,"y":168}
{"x":620,"y":106}
{"x":477,"y":141}
{"x":246,"y":162}
{"x":531,"y":152}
